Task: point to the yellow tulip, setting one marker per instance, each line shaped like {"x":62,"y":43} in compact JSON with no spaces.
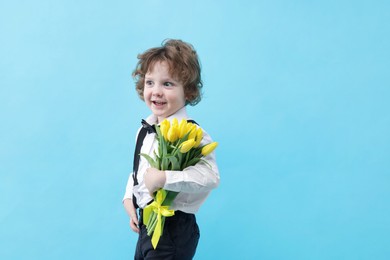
{"x":192,"y":131}
{"x":174,"y":122}
{"x":185,"y":128}
{"x":164,"y":127}
{"x":182,"y":128}
{"x":187,"y":145}
{"x":199,"y":137}
{"x":207,"y":149}
{"x":172,"y":133}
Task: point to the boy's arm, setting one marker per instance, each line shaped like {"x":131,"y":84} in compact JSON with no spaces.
{"x":129,"y":188}
{"x":194,"y":179}
{"x":128,"y":204}
{"x":132,"y":212}
{"x":202,"y":177}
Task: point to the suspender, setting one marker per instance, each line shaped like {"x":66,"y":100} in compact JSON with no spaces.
{"x":140,"y":140}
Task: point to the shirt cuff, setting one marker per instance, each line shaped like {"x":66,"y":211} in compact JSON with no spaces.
{"x":127,"y":196}
{"x":173,"y":180}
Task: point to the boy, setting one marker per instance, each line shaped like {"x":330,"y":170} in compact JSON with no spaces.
{"x":167,"y":79}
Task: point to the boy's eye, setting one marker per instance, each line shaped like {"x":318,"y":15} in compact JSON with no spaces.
{"x":148,"y":83}
{"x":168,"y":84}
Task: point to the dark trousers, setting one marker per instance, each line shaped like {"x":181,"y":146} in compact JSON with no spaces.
{"x":178,"y":241}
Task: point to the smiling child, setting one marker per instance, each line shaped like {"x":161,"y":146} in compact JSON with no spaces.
{"x":168,"y":78}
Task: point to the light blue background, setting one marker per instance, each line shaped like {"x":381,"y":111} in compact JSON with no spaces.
{"x":296,"y":92}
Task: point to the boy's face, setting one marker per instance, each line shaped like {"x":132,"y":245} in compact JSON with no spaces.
{"x":162,"y":94}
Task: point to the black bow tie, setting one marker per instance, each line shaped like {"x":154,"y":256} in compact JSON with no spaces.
{"x":149,"y":128}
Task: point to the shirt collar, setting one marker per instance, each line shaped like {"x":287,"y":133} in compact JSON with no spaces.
{"x":180,"y":114}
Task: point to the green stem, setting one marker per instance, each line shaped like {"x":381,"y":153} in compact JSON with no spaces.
{"x":162,"y":224}
{"x":149,"y":220}
{"x":186,"y":161}
{"x":150,"y":231}
{"x":152,"y":224}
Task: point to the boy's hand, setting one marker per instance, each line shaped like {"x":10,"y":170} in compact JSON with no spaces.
{"x":132,"y":212}
{"x":154,"y":179}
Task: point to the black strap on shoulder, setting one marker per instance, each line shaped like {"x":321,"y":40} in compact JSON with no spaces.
{"x":146,"y":128}
{"x":140,"y":139}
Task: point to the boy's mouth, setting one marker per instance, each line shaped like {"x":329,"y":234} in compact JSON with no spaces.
{"x":158,"y":103}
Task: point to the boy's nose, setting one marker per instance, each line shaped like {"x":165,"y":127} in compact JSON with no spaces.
{"x":157,"y":90}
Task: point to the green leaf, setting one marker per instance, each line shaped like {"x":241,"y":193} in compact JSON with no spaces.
{"x":165,"y":163}
{"x":164,"y":147}
{"x":171,"y":149}
{"x":175,"y":163}
{"x":160,"y":139}
{"x":187,"y":158}
{"x":198,"y":152}
{"x":171,"y":195}
{"x":158,"y":163}
{"x":150,"y":160}
{"x":180,"y":158}
{"x":193,"y":161}
{"x":185,"y":137}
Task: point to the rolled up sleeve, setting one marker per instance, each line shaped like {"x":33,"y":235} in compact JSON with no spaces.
{"x":202,"y":177}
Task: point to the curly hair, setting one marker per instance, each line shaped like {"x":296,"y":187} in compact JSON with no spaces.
{"x":183,"y":63}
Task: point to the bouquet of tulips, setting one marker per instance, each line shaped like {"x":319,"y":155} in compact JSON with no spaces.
{"x":178,"y":148}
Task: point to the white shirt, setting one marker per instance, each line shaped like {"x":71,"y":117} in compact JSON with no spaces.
{"x":193,"y":183}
